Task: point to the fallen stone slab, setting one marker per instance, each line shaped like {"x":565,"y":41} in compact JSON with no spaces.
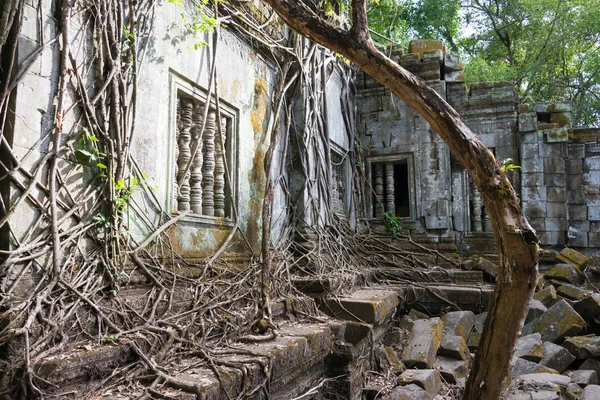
{"x":570,"y":256}
{"x":484,"y":265}
{"x":536,"y":308}
{"x":370,"y":306}
{"x":591,"y":392}
{"x":589,"y":307}
{"x":583,"y":347}
{"x":409,"y":392}
{"x":423,"y":345}
{"x":572,"y":292}
{"x":573,"y":391}
{"x":519,"y":366}
{"x":416,"y":314}
{"x":556,"y":357}
{"x":536,"y":395}
{"x":543,"y":381}
{"x":480,"y":321}
{"x":389,"y":361}
{"x":459,"y":323}
{"x":584,"y":377}
{"x":591,"y":363}
{"x":530,"y":347}
{"x":455,"y":347}
{"x":452,"y":370}
{"x":474,"y":339}
{"x":427,"y":379}
{"x":565,"y":273}
{"x":555,"y":324}
{"x":547,"y":295}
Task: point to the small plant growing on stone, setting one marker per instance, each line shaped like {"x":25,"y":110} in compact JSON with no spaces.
{"x":393,"y":223}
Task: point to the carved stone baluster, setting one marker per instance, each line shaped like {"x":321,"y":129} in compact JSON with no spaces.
{"x":208,"y":170}
{"x":378,"y":180}
{"x":340,"y":191}
{"x":487,"y":224}
{"x":220,"y":170}
{"x":477,"y":203}
{"x":196,"y":167}
{"x":185,"y":154}
{"x":390,"y":201}
{"x":177,"y":128}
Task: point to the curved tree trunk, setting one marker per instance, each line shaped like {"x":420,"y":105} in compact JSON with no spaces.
{"x":514,"y":236}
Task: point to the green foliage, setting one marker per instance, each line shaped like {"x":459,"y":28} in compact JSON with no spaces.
{"x":393,"y":223}
{"x":507,"y":165}
{"x":88,"y":152}
{"x":199,"y":24}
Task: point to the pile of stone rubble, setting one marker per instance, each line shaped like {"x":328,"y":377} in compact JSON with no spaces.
{"x":557,"y":356}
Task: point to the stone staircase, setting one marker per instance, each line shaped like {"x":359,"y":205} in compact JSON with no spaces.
{"x":480,"y":244}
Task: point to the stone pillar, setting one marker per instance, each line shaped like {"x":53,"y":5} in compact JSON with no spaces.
{"x":390,"y":200}
{"x":208,"y":170}
{"x":196,"y":167}
{"x":176,"y":184}
{"x":220,"y":153}
{"x":378,"y":180}
{"x":477,"y":203}
{"x":185,"y":154}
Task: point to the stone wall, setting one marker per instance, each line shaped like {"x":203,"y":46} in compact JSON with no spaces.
{"x":559,"y":172}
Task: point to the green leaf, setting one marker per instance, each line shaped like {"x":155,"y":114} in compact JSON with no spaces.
{"x":101,"y":166}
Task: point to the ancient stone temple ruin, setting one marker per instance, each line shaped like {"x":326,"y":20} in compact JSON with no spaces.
{"x":415,"y":176}
{"x":143,"y":158}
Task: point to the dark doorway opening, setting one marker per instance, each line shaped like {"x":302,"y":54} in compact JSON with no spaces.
{"x":402,"y":191}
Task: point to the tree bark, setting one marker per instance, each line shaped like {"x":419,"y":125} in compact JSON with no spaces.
{"x":514,"y":236}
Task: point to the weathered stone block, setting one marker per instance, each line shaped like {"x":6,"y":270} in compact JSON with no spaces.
{"x":556,"y":357}
{"x":555,"y":324}
{"x":435,"y":54}
{"x":556,"y":210}
{"x":576,"y":150}
{"x":574,"y":166}
{"x":534,"y":209}
{"x":584,"y":377}
{"x":574,"y":182}
{"x":455,"y":76}
{"x":452,"y":62}
{"x":369,"y":306}
{"x":553,"y":238}
{"x":563,"y":119}
{"x":575,"y":196}
{"x":591,"y":164}
{"x":530,"y":150}
{"x":552,"y":107}
{"x":570,"y":256}
{"x":565,"y":272}
{"x":578,"y":239}
{"x":531,"y":165}
{"x":536,"y":308}
{"x":572,"y":292}
{"x":528,"y":123}
{"x":389,"y":361}
{"x":591,"y":392}
{"x":421,"y":349}
{"x":409,"y":392}
{"x":594,"y":213}
{"x":583,"y":347}
{"x":480,"y":321}
{"x":427,"y":379}
{"x":556,"y":195}
{"x":558,"y":135}
{"x":451,"y":370}
{"x":577,"y":212}
{"x":556,"y":224}
{"x":594,"y":239}
{"x":554,"y":165}
{"x":589,"y":307}
{"x":454,"y":347}
{"x":474,"y":339}
{"x":458,"y":323}
{"x":530,"y":347}
{"x":559,"y":180}
{"x":532,"y":179}
{"x":520,"y":366}
{"x":547,"y":295}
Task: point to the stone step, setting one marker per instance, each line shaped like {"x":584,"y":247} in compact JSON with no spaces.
{"x":371,"y":306}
